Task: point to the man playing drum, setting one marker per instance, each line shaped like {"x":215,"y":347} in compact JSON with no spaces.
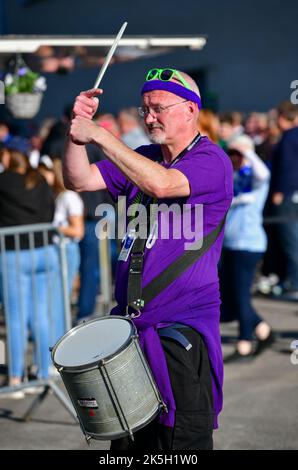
{"x":179,"y":326}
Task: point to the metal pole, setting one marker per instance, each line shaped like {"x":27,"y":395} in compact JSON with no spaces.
{"x":105,"y":273}
{"x":5,"y":299}
{"x":66,"y":301}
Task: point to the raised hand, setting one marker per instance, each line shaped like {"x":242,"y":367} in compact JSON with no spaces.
{"x":86,"y":103}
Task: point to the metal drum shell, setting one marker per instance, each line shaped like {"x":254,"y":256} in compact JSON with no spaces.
{"x":120,"y":390}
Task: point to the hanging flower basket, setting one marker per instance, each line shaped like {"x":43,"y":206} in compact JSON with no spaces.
{"x":24,"y":105}
{"x":24,"y":90}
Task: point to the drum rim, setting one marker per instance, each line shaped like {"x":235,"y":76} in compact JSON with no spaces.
{"x":104,"y":360}
{"x":134,"y":429}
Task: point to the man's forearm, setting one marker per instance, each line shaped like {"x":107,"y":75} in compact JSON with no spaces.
{"x":76,"y":166}
{"x":149,"y":176}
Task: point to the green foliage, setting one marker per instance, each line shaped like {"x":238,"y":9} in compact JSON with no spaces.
{"x":24,"y":81}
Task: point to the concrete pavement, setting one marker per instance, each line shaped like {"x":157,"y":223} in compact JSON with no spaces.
{"x":260,"y":404}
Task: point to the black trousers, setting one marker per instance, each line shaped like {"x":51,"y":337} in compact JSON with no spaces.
{"x":191,"y":383}
{"x":236,"y":276}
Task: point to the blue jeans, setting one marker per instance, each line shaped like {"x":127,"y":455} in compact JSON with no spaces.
{"x":237,"y":270}
{"x":33,"y":303}
{"x":288,"y":234}
{"x":89,"y":269}
{"x":73,"y":263}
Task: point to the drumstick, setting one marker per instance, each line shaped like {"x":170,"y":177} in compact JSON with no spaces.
{"x":109,"y":56}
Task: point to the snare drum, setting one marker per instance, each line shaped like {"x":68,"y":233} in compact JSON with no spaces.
{"x":107,"y":378}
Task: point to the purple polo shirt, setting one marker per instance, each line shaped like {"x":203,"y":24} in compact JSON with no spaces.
{"x":193,"y":298}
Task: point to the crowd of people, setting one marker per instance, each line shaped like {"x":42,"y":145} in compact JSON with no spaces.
{"x":263,"y":148}
{"x":262,"y":225}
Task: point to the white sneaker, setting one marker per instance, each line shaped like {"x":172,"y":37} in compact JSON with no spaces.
{"x":264,"y":285}
{"x":53,"y":372}
{"x":16,"y":395}
{"x":33,"y":390}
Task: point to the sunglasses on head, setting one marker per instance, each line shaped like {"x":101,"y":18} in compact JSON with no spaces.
{"x":165,"y":75}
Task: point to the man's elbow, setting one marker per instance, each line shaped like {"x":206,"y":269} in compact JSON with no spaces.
{"x":70,"y":185}
{"x":173,"y":184}
{"x":160,"y":191}
{"x":73,"y":185}
{"x":169,"y":190}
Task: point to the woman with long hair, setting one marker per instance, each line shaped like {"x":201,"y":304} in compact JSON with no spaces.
{"x":26,"y":199}
{"x":69,"y":214}
{"x":209,"y":125}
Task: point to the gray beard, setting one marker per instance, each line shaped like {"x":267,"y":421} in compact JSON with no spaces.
{"x":157,"y":139}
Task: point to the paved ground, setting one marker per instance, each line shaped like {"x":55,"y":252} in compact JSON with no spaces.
{"x":260,"y":409}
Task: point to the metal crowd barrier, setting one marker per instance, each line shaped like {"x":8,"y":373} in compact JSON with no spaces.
{"x":279,"y":220}
{"x":105,"y":265}
{"x":52,"y":261}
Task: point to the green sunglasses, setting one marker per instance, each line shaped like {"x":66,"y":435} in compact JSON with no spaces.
{"x":165,"y":75}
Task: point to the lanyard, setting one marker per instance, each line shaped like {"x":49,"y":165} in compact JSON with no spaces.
{"x":141,"y":197}
{"x":187,"y":149}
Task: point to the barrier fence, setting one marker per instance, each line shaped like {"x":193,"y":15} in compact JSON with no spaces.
{"x":35,"y":295}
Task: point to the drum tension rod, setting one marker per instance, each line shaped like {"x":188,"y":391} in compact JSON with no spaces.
{"x":114,"y":399}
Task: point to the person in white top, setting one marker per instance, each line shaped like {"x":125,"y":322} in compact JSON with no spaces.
{"x":68,"y":216}
{"x":243,"y":247}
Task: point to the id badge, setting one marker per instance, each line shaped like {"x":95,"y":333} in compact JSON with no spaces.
{"x":129,"y":240}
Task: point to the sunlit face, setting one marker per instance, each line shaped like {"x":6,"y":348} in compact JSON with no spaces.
{"x":4,"y":158}
{"x":3,"y":132}
{"x":163,"y":127}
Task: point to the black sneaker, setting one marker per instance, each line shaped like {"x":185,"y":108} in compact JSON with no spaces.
{"x":240,"y":358}
{"x":263,"y":344}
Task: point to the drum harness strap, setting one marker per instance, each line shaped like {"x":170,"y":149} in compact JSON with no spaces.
{"x":137,"y":297}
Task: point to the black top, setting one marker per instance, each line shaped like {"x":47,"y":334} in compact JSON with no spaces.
{"x":21,"y":206}
{"x":54,"y":146}
{"x":92,"y":199}
{"x":284,"y":177}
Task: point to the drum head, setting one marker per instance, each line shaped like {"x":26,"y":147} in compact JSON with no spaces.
{"x":90,"y":342}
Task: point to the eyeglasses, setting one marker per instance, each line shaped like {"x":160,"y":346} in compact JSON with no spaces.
{"x":154,"y":110}
{"x":166,"y":75}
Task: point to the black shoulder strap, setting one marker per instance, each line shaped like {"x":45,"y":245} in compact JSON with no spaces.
{"x":138,"y":297}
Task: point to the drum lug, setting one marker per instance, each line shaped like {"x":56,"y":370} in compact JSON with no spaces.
{"x":133,"y":315}
{"x":60,"y":369}
{"x":164,"y":407}
{"x":136,"y":315}
{"x":88,"y":439}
